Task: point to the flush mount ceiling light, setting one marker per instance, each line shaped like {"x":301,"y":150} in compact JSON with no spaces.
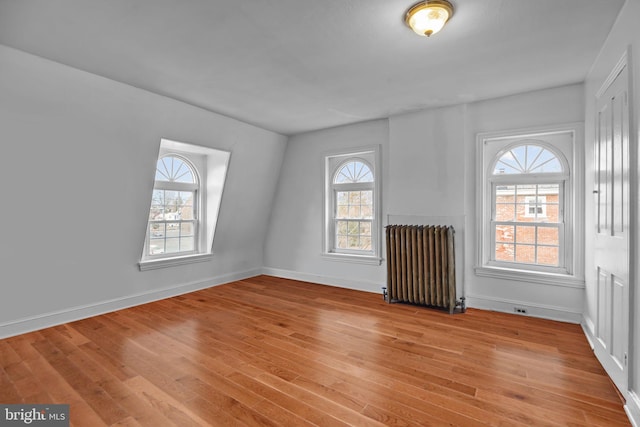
{"x":428,"y":17}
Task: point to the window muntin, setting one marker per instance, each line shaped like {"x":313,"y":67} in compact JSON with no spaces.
{"x":174,"y":169}
{"x":527,"y":225}
{"x":527,"y":158}
{"x":173,"y":227}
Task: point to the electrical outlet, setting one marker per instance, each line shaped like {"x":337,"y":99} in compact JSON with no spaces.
{"x":520,"y":310}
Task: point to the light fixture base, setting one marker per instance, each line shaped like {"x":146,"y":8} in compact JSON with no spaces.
{"x":428,"y":17}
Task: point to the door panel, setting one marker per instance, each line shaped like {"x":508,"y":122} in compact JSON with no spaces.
{"x":618,"y":341}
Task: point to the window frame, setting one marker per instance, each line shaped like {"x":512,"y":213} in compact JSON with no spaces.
{"x":333,"y":163}
{"x":561,"y":141}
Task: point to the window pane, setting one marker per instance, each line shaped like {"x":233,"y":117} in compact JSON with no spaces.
{"x":505,"y":193}
{"x":187,"y":244}
{"x":156,"y":230}
{"x":504,"y":252}
{"x":187,"y":198}
{"x":365,"y":243}
{"x":341,"y":227}
{"x":156,"y":246}
{"x":548,"y":236}
{"x":343,"y":212}
{"x":505,"y":212}
{"x":526,"y":254}
{"x":172,"y":245}
{"x":552,"y":213}
{"x":504,"y":233}
{"x":366,"y":197}
{"x":354,"y":198}
{"x":548,"y":255}
{"x":353,"y":227}
{"x":342,"y":198}
{"x":186,"y":229}
{"x":172,"y":229}
{"x":525,"y":234}
{"x":365,"y":228}
{"x":342,"y":242}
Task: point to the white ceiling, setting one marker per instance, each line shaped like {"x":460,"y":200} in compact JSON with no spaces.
{"x":297,"y":65}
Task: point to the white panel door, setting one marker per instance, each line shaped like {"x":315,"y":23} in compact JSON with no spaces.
{"x":612,"y":239}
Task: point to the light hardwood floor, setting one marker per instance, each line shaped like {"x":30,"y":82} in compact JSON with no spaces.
{"x":269,"y":351}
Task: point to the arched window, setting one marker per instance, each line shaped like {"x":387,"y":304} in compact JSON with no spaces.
{"x":174,"y":215}
{"x":352,"y":225}
{"x":185,"y":201}
{"x":526,"y":207}
{"x":353,"y":171}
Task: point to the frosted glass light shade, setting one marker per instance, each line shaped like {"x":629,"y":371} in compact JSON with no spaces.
{"x":428,"y":17}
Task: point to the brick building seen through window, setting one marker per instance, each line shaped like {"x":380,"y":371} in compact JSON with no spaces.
{"x":533,"y":238}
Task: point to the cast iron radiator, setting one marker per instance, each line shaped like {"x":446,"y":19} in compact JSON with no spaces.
{"x":421,"y":266}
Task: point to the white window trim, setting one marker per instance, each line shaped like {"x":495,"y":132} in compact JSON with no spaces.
{"x":330,"y":166}
{"x":573,"y":274}
{"x":211,"y":165}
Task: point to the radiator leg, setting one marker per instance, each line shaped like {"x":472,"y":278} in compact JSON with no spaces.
{"x":463,"y":304}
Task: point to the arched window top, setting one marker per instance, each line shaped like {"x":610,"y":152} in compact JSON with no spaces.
{"x":353,"y":171}
{"x":528,"y":158}
{"x":175,"y":169}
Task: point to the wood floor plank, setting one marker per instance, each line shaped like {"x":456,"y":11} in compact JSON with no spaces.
{"x":266,"y":351}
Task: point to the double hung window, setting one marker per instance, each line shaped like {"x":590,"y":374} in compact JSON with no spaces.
{"x":351,"y":206}
{"x":174,"y":214}
{"x":527,"y":203}
{"x":528,"y":206}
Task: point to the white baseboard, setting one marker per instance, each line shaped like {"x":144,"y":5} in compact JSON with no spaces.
{"x":588,"y":328}
{"x":503,"y":305}
{"x":46,"y":320}
{"x":359,"y":285}
{"x":632,"y":408}
{"x":534,"y":310}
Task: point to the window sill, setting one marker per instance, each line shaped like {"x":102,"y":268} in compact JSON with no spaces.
{"x":152,"y":264}
{"x":553,"y":279}
{"x":358,"y":259}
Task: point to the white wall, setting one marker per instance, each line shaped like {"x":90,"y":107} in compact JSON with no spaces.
{"x":78,"y":160}
{"x":294,"y":243}
{"x":429,"y":177}
{"x":624,"y":35}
